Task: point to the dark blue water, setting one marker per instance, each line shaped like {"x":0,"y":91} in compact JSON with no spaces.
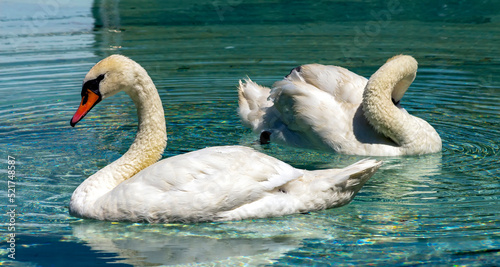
{"x":439,"y":210}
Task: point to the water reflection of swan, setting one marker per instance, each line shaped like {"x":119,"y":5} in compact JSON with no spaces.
{"x":331,"y":108}
{"x":212,"y":184}
{"x":407,"y":179}
{"x":145,"y":245}
{"x":402,"y":200}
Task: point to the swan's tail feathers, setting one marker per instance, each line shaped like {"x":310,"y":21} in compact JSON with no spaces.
{"x":343,"y":184}
{"x":253,"y":102}
{"x":359,"y":172}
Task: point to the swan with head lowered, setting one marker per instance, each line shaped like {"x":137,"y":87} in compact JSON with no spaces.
{"x":331,"y":108}
{"x":212,"y":184}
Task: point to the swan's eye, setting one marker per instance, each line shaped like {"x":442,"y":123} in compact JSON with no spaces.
{"x":92,"y":85}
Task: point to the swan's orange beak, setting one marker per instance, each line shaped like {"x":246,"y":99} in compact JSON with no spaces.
{"x":89,"y":100}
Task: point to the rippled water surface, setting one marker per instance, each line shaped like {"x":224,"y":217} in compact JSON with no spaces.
{"x":441,"y":209}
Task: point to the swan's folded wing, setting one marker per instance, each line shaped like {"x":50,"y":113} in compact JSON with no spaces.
{"x":200,"y":184}
{"x":314,"y":115}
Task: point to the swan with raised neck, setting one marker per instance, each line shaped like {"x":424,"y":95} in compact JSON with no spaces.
{"x":333,"y":109}
{"x":108,"y":77}
{"x":212,"y":184}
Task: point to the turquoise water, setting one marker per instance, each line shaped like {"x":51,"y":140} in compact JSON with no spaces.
{"x":439,"y":210}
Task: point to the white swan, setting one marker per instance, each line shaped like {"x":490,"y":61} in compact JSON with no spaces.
{"x":331,"y":108}
{"x":212,"y":184}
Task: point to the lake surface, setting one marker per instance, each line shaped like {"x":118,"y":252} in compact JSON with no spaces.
{"x":440,"y":210}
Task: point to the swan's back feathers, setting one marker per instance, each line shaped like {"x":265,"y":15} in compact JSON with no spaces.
{"x":306,"y":115}
{"x":346,"y":86}
{"x":256,"y":102}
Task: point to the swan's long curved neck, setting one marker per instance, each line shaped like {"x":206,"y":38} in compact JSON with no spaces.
{"x":151,"y":138}
{"x":390,"y":83}
{"x":147,"y":148}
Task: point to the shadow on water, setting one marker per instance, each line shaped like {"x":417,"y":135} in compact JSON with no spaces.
{"x":56,"y":250}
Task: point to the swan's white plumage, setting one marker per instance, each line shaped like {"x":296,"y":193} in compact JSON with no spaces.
{"x":331,"y":108}
{"x":212,"y":184}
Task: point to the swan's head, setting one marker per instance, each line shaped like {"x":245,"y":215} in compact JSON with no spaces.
{"x":108,"y":77}
{"x":395,"y":65}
